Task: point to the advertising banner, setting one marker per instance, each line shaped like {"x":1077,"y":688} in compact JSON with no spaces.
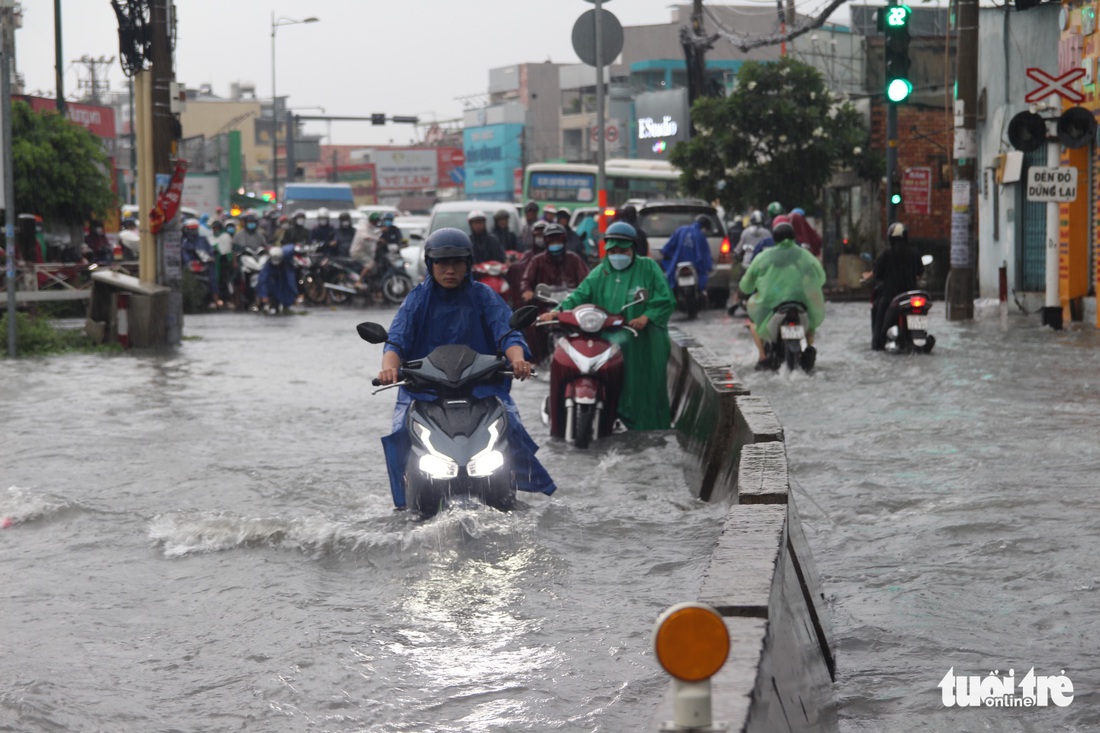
{"x":168,"y":202}
{"x":201,"y":192}
{"x":449,"y":161}
{"x":916,"y":191}
{"x":406,"y":169}
{"x":493,"y":153}
{"x":661,"y":120}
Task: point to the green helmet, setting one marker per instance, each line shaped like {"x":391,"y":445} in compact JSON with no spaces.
{"x":375,"y":217}
{"x":775,"y":209}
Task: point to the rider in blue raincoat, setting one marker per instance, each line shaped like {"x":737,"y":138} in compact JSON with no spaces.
{"x":449,"y":307}
{"x":689,"y":244}
{"x":278,"y":282}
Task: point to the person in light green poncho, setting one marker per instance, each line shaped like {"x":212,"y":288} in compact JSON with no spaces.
{"x":643,"y":404}
{"x":781,"y":273}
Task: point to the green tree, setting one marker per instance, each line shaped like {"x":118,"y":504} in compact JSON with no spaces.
{"x":779,"y":136}
{"x":61,"y":172}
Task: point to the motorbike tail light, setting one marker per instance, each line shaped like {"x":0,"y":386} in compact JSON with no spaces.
{"x":196,"y":266}
{"x":724,"y":256}
{"x":918,"y":301}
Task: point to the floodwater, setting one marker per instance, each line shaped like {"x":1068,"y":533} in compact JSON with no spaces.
{"x":952,"y":503}
{"x":205,"y":541}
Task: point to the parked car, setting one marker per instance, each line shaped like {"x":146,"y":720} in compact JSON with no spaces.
{"x":659,"y":219}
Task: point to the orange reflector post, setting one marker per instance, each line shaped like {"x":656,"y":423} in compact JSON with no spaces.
{"x":691,"y":642}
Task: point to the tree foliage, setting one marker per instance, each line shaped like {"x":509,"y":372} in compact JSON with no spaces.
{"x":779,"y":136}
{"x":61,"y":172}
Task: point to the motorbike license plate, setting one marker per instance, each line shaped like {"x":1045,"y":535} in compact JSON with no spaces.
{"x":685,"y":281}
{"x":917,"y":323}
{"x":792,"y":333}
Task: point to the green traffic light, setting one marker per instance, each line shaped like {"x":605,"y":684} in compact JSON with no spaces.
{"x":898,"y":90}
{"x":895,"y":199}
{"x":897,"y":16}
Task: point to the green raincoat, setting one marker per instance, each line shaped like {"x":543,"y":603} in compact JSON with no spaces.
{"x":781,"y":273}
{"x":643,"y":404}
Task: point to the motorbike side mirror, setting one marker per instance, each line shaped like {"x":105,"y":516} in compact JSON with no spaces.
{"x":372,"y":332}
{"x":523,"y":317}
{"x":542,"y":290}
{"x":926,"y":260}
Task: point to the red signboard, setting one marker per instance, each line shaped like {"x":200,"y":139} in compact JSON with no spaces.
{"x":449,"y":160}
{"x":168,"y":202}
{"x":100,"y":121}
{"x":916,"y":191}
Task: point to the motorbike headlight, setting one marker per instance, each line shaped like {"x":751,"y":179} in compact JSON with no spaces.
{"x":590,"y":321}
{"x":438,"y":467}
{"x":488,"y":461}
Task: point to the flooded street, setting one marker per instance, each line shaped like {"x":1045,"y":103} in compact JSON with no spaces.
{"x":206,"y":541}
{"x":952,"y":504}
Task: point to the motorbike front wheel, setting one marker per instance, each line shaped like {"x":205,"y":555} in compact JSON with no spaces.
{"x":315,"y":290}
{"x":396,"y":287}
{"x":339,"y":297}
{"x":584,"y":426}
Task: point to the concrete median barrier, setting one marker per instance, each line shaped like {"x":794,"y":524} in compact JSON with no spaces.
{"x":761,"y":577}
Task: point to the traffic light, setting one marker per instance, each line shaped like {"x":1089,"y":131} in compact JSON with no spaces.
{"x":894,"y":23}
{"x":895,"y":187}
{"x":377,"y":119}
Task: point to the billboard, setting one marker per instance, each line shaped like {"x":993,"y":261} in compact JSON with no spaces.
{"x":493,"y":153}
{"x":661,"y":120}
{"x":201,"y":192}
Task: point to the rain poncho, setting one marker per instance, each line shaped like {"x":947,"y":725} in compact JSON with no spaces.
{"x":687,"y":244}
{"x":279,"y":282}
{"x":643,"y":404}
{"x":474,"y":315}
{"x":781,"y":273}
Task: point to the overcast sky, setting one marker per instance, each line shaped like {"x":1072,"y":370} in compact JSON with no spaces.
{"x":407,"y":57}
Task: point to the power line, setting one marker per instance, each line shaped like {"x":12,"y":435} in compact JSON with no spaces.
{"x":746,"y":43}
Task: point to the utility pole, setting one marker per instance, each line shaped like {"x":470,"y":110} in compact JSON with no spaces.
{"x":7,"y":190}
{"x":93,"y":83}
{"x":960,"y":280}
{"x":59,"y":74}
{"x":166,"y":132}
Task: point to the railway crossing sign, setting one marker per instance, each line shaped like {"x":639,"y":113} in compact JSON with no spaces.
{"x":1060,"y":85}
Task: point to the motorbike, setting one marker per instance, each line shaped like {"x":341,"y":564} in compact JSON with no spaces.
{"x":337,"y":278}
{"x":586,"y":373}
{"x":785,"y":338}
{"x":307,"y":261}
{"x":242,"y":287}
{"x":457,"y":441}
{"x":494,"y":274}
{"x":543,"y":341}
{"x":906,"y":324}
{"x":687,"y":289}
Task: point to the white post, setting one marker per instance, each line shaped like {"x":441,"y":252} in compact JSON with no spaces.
{"x":1052,"y":301}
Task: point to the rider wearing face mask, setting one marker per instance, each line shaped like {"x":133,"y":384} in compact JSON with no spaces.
{"x":555,"y":267}
{"x":345,"y":235}
{"x":250,"y":236}
{"x":324,"y":233}
{"x":611,"y":285}
{"x":296,"y":233}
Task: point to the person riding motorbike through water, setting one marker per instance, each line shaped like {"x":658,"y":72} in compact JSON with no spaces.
{"x":364,"y":246}
{"x":502,"y":230}
{"x":450,"y":307}
{"x":191,"y":245}
{"x":530,"y":217}
{"x":277,"y":285}
{"x":779,"y":274}
{"x":345,"y":235}
{"x":643,"y":404}
{"x":805,"y":234}
{"x":486,"y":247}
{"x":249,"y":237}
{"x":390,"y":233}
{"x":556,"y":267}
{"x":324,"y":234}
{"x":753,"y":234}
{"x":689,"y":244}
{"x":516,"y":269}
{"x":629,"y":214}
{"x":896,"y":271}
{"x":297,"y":233}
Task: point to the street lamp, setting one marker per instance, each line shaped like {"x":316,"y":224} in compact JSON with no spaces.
{"x":275,"y":101}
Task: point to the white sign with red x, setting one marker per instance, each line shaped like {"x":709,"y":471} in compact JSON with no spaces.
{"x":1060,"y":85}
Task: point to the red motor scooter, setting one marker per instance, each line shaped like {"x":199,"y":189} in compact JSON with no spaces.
{"x":586,"y":373}
{"x":494,"y":274}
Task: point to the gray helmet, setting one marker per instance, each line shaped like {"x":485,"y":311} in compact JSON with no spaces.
{"x":756,"y":219}
{"x":502,"y":214}
{"x":897,"y":233}
{"x":554,"y":230}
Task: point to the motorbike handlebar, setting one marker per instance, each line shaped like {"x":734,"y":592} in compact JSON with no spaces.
{"x":376,"y":382}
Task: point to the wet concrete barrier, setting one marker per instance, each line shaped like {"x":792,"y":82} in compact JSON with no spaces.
{"x":761,"y":577}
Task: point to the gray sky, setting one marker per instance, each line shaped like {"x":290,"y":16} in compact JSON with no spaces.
{"x":400,"y":57}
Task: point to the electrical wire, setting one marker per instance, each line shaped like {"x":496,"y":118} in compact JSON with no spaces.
{"x":746,"y":44}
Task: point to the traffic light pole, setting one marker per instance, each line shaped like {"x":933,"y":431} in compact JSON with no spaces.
{"x":891,"y":161}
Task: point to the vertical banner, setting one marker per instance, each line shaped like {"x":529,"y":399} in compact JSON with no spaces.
{"x":960,"y":224}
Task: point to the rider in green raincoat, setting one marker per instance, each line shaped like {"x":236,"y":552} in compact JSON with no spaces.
{"x":781,"y":273}
{"x":643,"y":404}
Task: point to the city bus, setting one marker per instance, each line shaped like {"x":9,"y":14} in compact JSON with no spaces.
{"x":573,"y":185}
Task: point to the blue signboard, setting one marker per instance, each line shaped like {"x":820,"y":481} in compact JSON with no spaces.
{"x":492,"y":155}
